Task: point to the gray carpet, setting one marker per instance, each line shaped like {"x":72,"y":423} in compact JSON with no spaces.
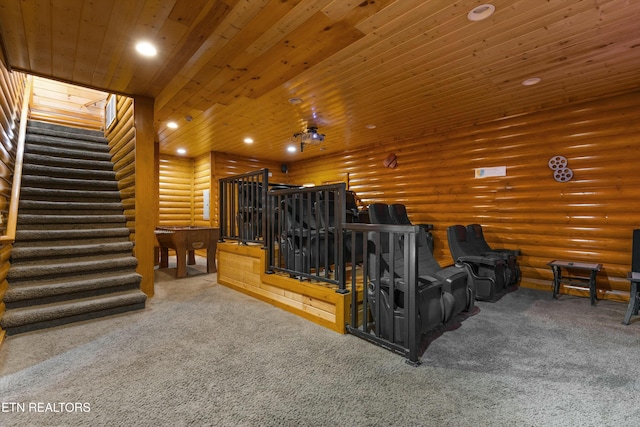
{"x":202,"y":354}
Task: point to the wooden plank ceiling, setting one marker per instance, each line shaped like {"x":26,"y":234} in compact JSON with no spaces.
{"x":408,"y":67}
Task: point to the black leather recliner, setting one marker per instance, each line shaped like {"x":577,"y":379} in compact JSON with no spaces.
{"x":398,"y":213}
{"x":455,"y":278}
{"x":442,"y":293}
{"x":490,"y":274}
{"x":510,"y":256}
{"x":304,"y":244}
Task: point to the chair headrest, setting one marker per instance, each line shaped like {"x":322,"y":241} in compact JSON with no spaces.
{"x":379,"y":214}
{"x":461,"y":233}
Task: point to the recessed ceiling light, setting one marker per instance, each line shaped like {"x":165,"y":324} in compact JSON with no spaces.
{"x":532,"y":81}
{"x":146,"y":49}
{"x":172,"y":125}
{"x":295,"y":101}
{"x":481,"y":12}
{"x":370,"y":126}
{"x":181,"y":151}
{"x":248,"y":140}
{"x":292,"y":148}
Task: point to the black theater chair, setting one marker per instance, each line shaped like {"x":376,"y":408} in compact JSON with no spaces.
{"x":326,"y":212}
{"x":383,"y":253}
{"x":490,"y":274}
{"x":455,"y":279}
{"x":398,"y":213}
{"x":510,"y":256}
{"x":457,"y":290}
{"x":304,"y":244}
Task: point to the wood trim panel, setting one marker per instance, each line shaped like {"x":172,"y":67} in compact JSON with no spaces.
{"x":589,"y":218}
{"x":12,"y":92}
{"x":242,"y":268}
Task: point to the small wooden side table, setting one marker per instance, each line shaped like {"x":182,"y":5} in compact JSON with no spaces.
{"x":634,"y":300}
{"x":574,"y":276}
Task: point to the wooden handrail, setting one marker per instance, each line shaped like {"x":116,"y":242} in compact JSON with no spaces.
{"x":12,"y":219}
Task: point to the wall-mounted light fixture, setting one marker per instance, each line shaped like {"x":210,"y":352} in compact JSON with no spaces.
{"x":311,"y":136}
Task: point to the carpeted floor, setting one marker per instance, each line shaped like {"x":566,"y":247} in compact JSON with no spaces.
{"x":202,"y":354}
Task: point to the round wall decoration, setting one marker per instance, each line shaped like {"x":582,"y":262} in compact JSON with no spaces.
{"x":558,"y":162}
{"x":561,"y":173}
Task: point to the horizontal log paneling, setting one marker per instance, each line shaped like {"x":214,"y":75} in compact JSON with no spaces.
{"x":201,"y":181}
{"x":121,"y":140}
{"x":589,"y":218}
{"x":175,"y":201}
{"x":226,"y":165}
{"x":11,"y":97}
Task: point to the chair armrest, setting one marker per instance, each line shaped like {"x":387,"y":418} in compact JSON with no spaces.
{"x":475,"y":259}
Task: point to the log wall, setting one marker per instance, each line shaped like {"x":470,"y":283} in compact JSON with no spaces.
{"x":202,"y":181}
{"x":176,"y":191}
{"x":589,"y":218}
{"x":11,"y":96}
{"x":122,"y":144}
{"x":182,"y":181}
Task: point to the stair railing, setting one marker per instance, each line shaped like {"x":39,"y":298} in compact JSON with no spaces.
{"x":12,"y":218}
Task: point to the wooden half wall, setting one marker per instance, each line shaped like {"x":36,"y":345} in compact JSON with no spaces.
{"x":589,"y":218}
{"x":133,"y":153}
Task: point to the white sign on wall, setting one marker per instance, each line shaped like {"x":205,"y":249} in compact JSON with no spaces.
{"x":487,"y":172}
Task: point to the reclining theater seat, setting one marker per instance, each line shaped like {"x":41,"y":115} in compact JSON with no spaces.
{"x":455,"y":278}
{"x":250,"y":210}
{"x":490,"y":274}
{"x":326,"y":212}
{"x":398,"y":213}
{"x":305,"y":246}
{"x":510,"y":256}
{"x":442,"y":293}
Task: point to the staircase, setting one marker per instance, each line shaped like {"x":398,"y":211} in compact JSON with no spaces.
{"x":72,"y":258}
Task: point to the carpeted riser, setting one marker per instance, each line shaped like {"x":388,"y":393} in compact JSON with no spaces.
{"x":67,"y":226}
{"x":67,"y":251}
{"x":68,"y":172}
{"x":94,"y":219}
{"x":67,"y":183}
{"x":76,"y":318}
{"x":51,"y":287}
{"x":72,"y":259}
{"x":72,"y":296}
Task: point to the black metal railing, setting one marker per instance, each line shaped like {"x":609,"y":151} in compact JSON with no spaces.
{"x":242,"y":206}
{"x":387,"y":315}
{"x":308,"y":235}
{"x":305,"y":233}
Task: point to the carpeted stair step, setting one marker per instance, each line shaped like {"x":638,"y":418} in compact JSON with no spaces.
{"x":54,"y":267}
{"x":71,"y":148}
{"x":32,"y":193}
{"x":62,"y":131}
{"x":61,"y":172}
{"x":44,"y":181}
{"x":38,"y":252}
{"x":71,"y":206}
{"x":38,"y":292}
{"x":67,"y":162}
{"x":25,"y":319}
{"x":54,"y":220}
{"x":72,"y":257}
{"x":72,"y":234}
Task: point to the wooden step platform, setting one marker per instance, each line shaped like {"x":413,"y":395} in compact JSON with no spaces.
{"x":242,"y":267}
